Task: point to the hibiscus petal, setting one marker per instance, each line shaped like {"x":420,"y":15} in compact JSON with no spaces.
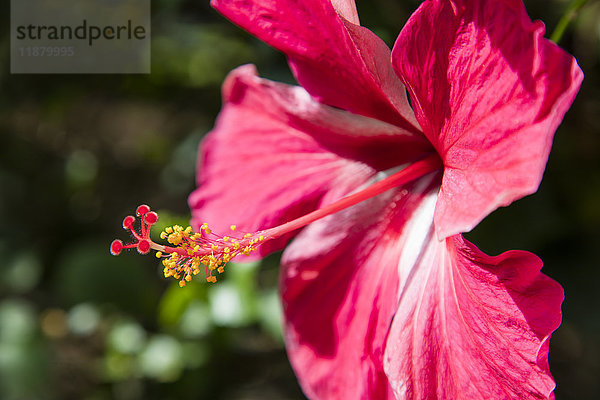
{"x":489,"y":91}
{"x":338,"y":62}
{"x":347,"y":9}
{"x":471,"y":326}
{"x":276,"y":152}
{"x":339,"y":288}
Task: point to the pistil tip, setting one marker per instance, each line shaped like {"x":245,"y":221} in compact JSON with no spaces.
{"x":128,"y":222}
{"x":150,"y":218}
{"x":142,"y":210}
{"x":115,"y":247}
{"x":143,"y":246}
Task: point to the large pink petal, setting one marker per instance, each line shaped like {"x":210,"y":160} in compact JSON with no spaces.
{"x":471,"y":326}
{"x":489,"y":91}
{"x":276,"y":152}
{"x":339,"y":290}
{"x":339,"y":62}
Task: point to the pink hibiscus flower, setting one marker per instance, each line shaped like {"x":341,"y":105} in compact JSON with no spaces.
{"x":382,"y":295}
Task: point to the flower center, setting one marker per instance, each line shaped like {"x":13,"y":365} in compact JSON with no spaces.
{"x":193,"y":251}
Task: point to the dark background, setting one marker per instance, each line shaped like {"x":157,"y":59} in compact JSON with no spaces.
{"x":79,"y":152}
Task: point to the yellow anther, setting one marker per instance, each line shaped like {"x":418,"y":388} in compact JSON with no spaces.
{"x":198,"y":252}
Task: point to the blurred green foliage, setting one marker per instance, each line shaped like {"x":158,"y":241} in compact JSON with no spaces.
{"x":80,"y":152}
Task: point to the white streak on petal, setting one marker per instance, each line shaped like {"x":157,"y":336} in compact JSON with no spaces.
{"x":417,"y":233}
